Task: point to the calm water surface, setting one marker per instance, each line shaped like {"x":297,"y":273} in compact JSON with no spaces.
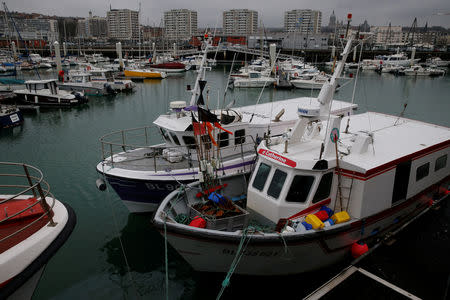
{"x":64,"y":144}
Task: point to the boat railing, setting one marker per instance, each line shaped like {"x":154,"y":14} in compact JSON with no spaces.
{"x":150,"y":137}
{"x":17,"y":181}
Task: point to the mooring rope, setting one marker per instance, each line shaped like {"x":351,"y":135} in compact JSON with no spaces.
{"x":237,"y":258}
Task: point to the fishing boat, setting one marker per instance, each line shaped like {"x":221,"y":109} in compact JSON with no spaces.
{"x":398,"y":59}
{"x":144,"y":73}
{"x":10,"y":115}
{"x":46,"y":93}
{"x":143,"y":165}
{"x":255,"y":79}
{"x":33,"y":226}
{"x":81,"y":81}
{"x":328,"y":187}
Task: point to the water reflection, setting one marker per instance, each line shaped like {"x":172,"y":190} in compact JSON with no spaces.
{"x":144,"y":248}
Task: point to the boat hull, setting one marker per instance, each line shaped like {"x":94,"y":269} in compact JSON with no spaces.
{"x":43,"y":100}
{"x":11,"y":119}
{"x":133,"y":73}
{"x":144,"y":193}
{"x":33,"y":260}
{"x":268,"y":255}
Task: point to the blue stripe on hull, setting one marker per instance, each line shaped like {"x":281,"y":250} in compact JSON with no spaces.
{"x":143,"y":191}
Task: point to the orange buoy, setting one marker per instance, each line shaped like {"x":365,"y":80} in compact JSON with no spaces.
{"x":358,"y":249}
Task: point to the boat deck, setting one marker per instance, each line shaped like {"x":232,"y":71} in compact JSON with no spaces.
{"x":142,"y":159}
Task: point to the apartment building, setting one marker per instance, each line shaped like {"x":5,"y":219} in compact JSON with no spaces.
{"x":123,"y":24}
{"x":304,"y":21}
{"x":240,"y":22}
{"x":180,"y":24}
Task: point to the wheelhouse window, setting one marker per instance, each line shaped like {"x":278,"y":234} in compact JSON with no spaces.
{"x":300,"y":187}
{"x":441,"y":162}
{"x":165,"y":135}
{"x":261,"y":176}
{"x":174,"y":138}
{"x":223,"y":139}
{"x":422,"y":171}
{"x":239,"y":136}
{"x":189,"y":141}
{"x":276,"y":185}
{"x":324,"y":188}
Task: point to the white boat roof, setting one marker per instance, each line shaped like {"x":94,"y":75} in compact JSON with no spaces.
{"x":262,"y":113}
{"x":390,"y":142}
{"x":39,"y":81}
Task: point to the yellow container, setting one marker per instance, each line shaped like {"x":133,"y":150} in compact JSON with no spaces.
{"x":314,"y":221}
{"x":340,"y":217}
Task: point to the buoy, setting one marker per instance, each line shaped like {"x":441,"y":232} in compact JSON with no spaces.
{"x":198,"y":222}
{"x":358,"y":249}
{"x":101,"y":184}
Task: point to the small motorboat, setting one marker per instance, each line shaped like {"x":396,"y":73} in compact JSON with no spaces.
{"x":46,"y":93}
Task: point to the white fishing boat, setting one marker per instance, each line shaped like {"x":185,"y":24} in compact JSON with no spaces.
{"x":46,"y":93}
{"x":310,"y":82}
{"x":81,"y":81}
{"x":33,"y":226}
{"x":327,"y":186}
{"x":254,"y":80}
{"x":143,"y":176}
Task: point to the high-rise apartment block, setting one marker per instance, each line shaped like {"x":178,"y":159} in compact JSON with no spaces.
{"x":123,"y":24}
{"x":240,"y":22}
{"x":303,"y":21}
{"x":180,"y":23}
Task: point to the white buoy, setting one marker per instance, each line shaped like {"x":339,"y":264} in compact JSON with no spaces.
{"x":413,"y":54}
{"x":333,"y":52}
{"x":272,"y":49}
{"x":119,"y":54}
{"x":14,"y":50}
{"x":64,"y":49}
{"x":101,"y":184}
{"x":354,"y":53}
{"x":57,"y":57}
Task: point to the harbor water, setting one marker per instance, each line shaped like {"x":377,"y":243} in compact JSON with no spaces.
{"x":116,"y":255}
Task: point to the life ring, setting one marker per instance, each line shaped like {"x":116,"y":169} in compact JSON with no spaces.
{"x":295,"y":74}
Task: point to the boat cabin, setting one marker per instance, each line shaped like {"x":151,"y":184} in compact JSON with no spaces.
{"x":35,"y":85}
{"x":372,"y":176}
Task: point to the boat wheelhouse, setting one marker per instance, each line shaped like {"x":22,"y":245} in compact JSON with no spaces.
{"x":46,"y":93}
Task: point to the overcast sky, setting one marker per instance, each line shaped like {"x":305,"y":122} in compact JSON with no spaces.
{"x":377,"y":12}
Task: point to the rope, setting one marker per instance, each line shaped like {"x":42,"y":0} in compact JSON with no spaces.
{"x":166,"y":260}
{"x":239,"y":253}
{"x":118,"y":235}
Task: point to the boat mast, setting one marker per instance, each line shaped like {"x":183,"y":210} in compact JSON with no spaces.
{"x":201,"y":71}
